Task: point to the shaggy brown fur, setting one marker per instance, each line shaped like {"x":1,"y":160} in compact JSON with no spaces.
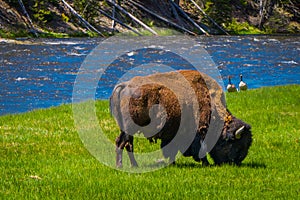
{"x":150,"y":94}
{"x":133,"y":103}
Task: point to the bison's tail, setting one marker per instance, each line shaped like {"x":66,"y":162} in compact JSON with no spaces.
{"x":114,"y":102}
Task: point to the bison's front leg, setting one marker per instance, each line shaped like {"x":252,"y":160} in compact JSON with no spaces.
{"x":124,"y":140}
{"x":205,"y":161}
{"x":198,"y":159}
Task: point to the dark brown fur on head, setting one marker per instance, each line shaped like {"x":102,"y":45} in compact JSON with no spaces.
{"x":233,"y":144}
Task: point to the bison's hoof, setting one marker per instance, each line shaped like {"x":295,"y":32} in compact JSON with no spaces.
{"x":172,"y":162}
{"x":119,"y":166}
{"x":205,"y":163}
{"x":134,"y":165}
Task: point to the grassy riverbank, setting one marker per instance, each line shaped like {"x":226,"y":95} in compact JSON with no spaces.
{"x":42,"y":157}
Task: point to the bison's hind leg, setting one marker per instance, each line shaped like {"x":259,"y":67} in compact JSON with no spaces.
{"x":129,"y":148}
{"x":168,"y":151}
{"x":124,"y":140}
{"x":119,"y":148}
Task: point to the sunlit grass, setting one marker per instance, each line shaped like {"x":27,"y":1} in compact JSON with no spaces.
{"x":160,"y":31}
{"x":42,"y":157}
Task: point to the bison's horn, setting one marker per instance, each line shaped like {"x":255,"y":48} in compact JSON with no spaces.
{"x":238,"y":132}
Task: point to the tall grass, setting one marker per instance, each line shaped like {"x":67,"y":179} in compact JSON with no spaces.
{"x":42,"y":157}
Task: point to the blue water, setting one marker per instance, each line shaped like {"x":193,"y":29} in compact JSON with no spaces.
{"x":42,"y":75}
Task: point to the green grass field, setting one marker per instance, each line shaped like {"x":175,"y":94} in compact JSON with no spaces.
{"x":42,"y":157}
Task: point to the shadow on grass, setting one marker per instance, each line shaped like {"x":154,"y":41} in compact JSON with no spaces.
{"x":188,"y":165}
{"x":254,"y":165}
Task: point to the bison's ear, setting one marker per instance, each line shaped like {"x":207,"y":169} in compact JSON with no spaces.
{"x":238,"y":133}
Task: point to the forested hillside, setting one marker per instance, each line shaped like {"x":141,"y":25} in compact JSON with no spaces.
{"x":93,"y":17}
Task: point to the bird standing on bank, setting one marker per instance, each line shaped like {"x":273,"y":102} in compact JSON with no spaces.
{"x":242,"y":85}
{"x":230,"y":87}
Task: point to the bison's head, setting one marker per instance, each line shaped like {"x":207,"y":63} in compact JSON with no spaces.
{"x":234,"y":142}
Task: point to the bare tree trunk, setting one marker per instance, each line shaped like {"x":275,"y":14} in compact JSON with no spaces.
{"x":215,"y":23}
{"x":261,"y":13}
{"x":162,"y":18}
{"x":266,"y":9}
{"x":118,"y":21}
{"x":28,"y":18}
{"x":113,"y":24}
{"x":174,"y":11}
{"x":86,"y":23}
{"x":132,"y":17}
{"x":191,"y":20}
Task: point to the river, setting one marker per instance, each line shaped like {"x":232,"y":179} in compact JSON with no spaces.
{"x":42,"y":74}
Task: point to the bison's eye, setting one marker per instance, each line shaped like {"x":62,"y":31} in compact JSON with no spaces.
{"x":229,"y":136}
{"x":238,"y":133}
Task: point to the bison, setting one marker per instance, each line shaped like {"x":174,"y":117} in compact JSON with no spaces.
{"x":182,"y":109}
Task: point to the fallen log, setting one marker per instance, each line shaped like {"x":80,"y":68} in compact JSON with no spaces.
{"x":113,"y":23}
{"x":215,"y":23}
{"x":119,"y":22}
{"x":162,"y":18}
{"x":86,"y":23}
{"x":132,"y":17}
{"x":28,"y":18}
{"x":188,"y":18}
{"x":174,"y":11}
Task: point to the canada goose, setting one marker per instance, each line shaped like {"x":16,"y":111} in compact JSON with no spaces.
{"x":242,"y":85}
{"x":230,"y":87}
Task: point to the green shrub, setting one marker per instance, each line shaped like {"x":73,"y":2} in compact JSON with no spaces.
{"x":65,"y":18}
{"x":236,"y":27}
{"x":41,"y":12}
